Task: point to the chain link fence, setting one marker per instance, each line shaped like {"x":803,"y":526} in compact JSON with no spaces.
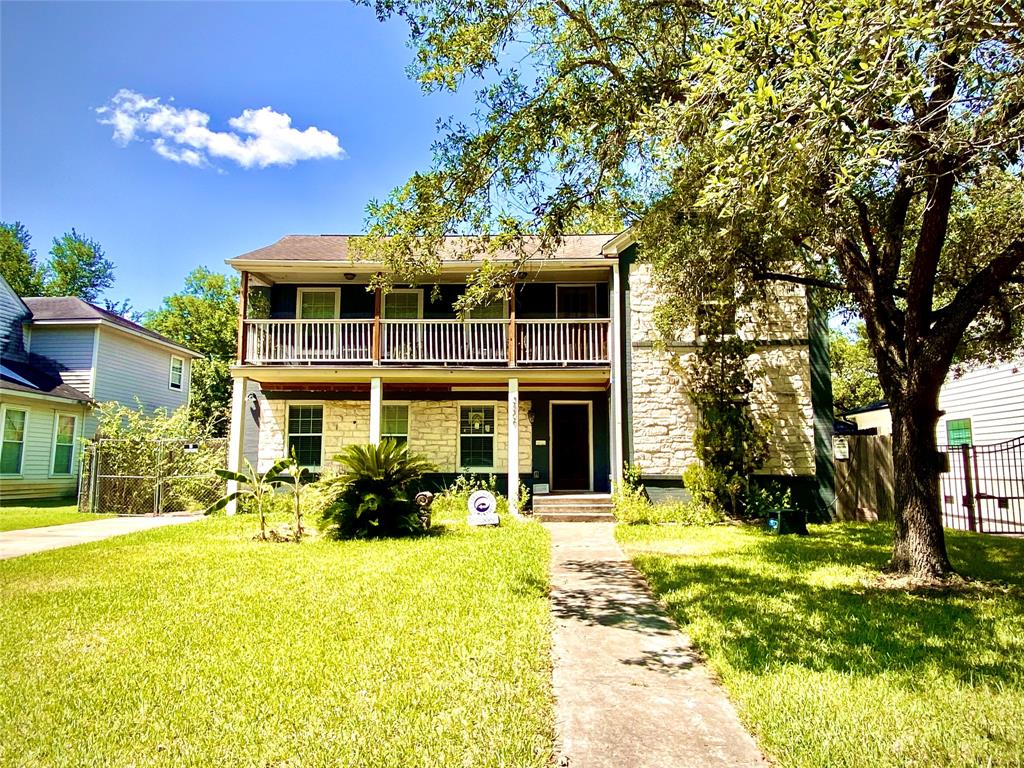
{"x":140,"y":477}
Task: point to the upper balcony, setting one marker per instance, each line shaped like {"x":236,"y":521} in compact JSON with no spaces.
{"x":427,"y":342}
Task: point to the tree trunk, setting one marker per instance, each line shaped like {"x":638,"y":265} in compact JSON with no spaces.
{"x":919,"y":547}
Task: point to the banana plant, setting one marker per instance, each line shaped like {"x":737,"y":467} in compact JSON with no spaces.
{"x":296,"y":476}
{"x":254,"y":485}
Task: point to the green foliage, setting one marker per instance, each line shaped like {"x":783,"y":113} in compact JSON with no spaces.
{"x":452,"y":502}
{"x":258,"y":488}
{"x":77,"y":267}
{"x":204,"y":318}
{"x":371,"y":494}
{"x":632,"y":507}
{"x":854,"y":374}
{"x":18,"y":260}
{"x":762,"y":499}
{"x":730,"y":442}
{"x":868,"y":147}
{"x":632,"y":475}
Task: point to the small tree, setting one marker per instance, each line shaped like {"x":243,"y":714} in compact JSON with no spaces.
{"x":296,"y":476}
{"x":253,"y":485}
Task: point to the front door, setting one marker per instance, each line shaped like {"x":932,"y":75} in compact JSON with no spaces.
{"x":570,"y":447}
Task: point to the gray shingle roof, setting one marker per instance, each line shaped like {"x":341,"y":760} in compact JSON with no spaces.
{"x":72,"y":308}
{"x":337,"y":248}
{"x":41,"y":375}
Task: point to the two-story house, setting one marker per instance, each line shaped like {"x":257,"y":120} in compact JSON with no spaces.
{"x":58,"y":357}
{"x":557,"y":387}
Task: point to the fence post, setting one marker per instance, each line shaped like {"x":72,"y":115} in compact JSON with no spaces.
{"x":156,"y":485}
{"x":972,"y":522}
{"x":94,"y":479}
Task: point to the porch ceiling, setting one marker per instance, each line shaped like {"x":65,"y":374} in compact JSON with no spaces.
{"x":463,"y":375}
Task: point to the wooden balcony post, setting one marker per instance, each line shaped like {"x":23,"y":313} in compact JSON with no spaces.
{"x":243,"y":312}
{"x":377,"y":302}
{"x":512,"y":326}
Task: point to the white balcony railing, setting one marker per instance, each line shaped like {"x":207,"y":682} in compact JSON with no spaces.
{"x":445,"y":341}
{"x":271,"y":342}
{"x":309,"y":341}
{"x":562,"y":341}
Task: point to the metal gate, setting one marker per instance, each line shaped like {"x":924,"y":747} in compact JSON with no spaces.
{"x":983,"y":487}
{"x":139,"y":477}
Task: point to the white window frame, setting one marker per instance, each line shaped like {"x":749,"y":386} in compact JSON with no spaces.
{"x":53,"y":448}
{"x":288,"y":429}
{"x":419,"y":301}
{"x":408,"y":420}
{"x":592,"y":286}
{"x":458,"y":434}
{"x":298,"y":300}
{"x":170,"y":374}
{"x":24,"y":437}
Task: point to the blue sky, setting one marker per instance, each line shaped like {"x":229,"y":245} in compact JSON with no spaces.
{"x":332,"y":67}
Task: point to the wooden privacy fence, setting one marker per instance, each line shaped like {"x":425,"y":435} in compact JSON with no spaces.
{"x":981,"y":489}
{"x":864,"y":480}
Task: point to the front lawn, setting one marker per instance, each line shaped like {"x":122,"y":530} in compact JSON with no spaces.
{"x":36,"y":514}
{"x":193,"y":645}
{"x":827,"y":667}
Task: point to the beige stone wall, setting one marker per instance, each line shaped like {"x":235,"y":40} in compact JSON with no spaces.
{"x":664,"y":418}
{"x":433,"y":431}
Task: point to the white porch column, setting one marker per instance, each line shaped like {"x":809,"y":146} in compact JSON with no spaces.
{"x":616,"y":377}
{"x":376,"y":396}
{"x":513,"y":445}
{"x":236,"y":439}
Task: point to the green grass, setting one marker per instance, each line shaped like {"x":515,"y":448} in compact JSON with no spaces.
{"x":36,"y":514}
{"x":194,"y":645}
{"x":826,"y":666}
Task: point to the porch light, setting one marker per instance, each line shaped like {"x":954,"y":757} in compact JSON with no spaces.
{"x":530,"y":415}
{"x":349,"y":275}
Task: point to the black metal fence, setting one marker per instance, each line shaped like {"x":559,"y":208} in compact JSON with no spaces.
{"x":138,"y":477}
{"x":983,"y":487}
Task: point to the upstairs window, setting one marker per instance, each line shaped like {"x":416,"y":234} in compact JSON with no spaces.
{"x":403,"y":304}
{"x":476,"y":437}
{"x":394,"y":423}
{"x":576,"y":301}
{"x":177,"y":376}
{"x":63,"y":443}
{"x":958,"y":432}
{"x":13,"y":446}
{"x":318,"y":303}
{"x":306,"y":434}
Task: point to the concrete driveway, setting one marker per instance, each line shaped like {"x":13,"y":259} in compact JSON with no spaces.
{"x":31,"y":540}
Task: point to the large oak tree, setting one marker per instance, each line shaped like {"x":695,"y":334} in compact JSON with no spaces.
{"x":866,"y":146}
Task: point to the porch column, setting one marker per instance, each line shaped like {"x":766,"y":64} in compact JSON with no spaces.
{"x":513,"y":445}
{"x":614,"y":348}
{"x":236,"y":440}
{"x":376,"y":396}
{"x":243,"y":313}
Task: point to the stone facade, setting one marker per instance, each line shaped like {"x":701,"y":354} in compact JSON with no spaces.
{"x":663,"y":416}
{"x":433,"y":430}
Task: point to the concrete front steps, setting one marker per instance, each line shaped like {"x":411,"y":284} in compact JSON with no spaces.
{"x":573,"y":508}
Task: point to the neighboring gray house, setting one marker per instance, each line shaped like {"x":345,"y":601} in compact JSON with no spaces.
{"x":60,"y":356}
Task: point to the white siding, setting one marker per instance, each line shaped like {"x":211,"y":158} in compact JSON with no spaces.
{"x":992,"y":398}
{"x":71,"y":348}
{"x":129,"y":368}
{"x":35,"y":480}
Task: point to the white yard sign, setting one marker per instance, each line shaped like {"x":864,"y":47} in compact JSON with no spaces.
{"x":483,"y":509}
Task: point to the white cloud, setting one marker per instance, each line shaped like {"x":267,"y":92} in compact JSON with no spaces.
{"x":260,"y":137}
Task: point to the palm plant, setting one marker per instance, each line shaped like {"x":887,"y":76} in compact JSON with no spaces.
{"x":252,"y":484}
{"x":371,"y":499}
{"x":295,"y":475}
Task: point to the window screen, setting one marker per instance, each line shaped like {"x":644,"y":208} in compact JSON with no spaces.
{"x":305,"y":433}
{"x":476,"y":436}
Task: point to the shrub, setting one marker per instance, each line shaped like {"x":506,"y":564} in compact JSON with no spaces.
{"x":632,"y":508}
{"x":761,"y":500}
{"x":370,"y":498}
{"x":451,"y":503}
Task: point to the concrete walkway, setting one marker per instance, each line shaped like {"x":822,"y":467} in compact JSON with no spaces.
{"x":30,"y":540}
{"x":630,"y":691}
